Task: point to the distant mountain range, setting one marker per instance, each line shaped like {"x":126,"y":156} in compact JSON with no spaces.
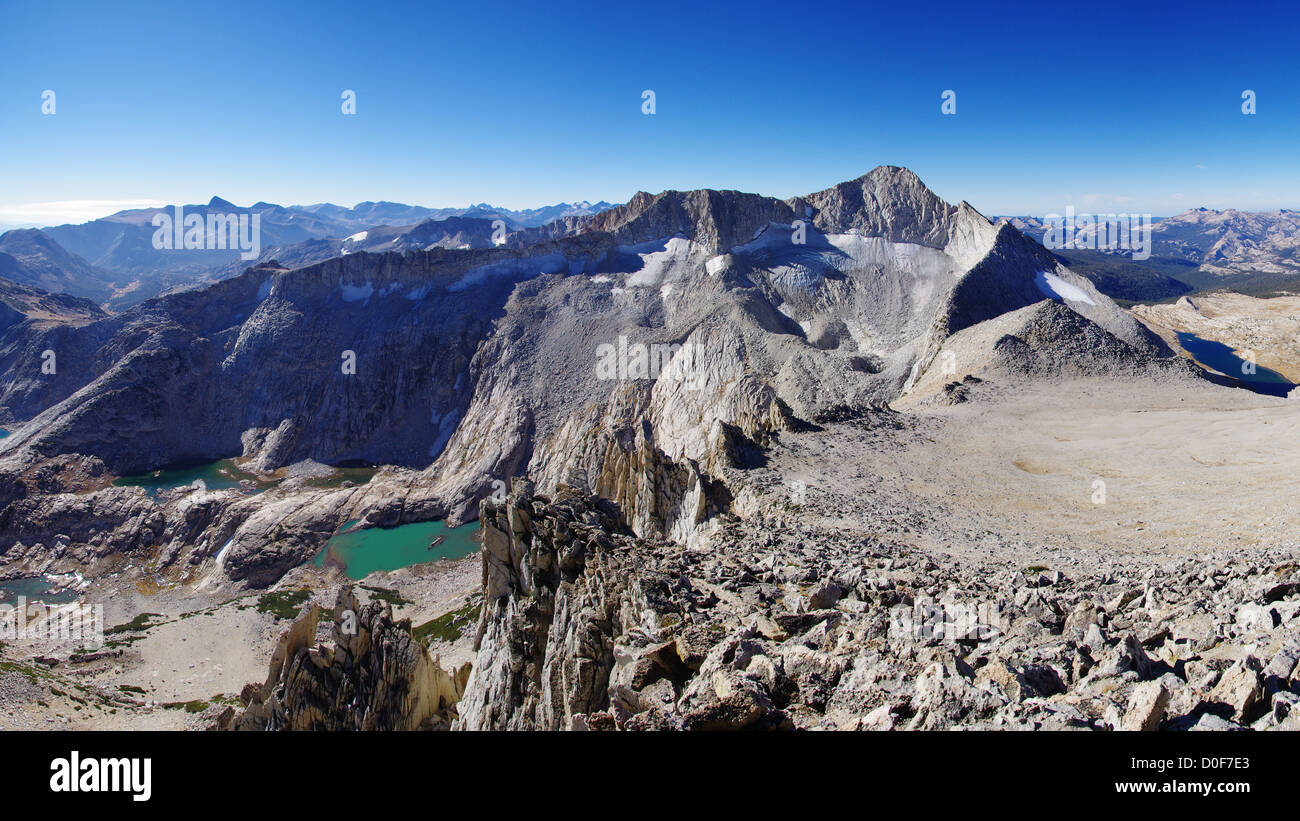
{"x":1251,"y":252}
{"x":113,"y":260}
{"x":31,"y":257}
{"x":366,"y":214}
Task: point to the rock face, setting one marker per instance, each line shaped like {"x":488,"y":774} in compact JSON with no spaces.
{"x":587,"y":627}
{"x":889,"y":202}
{"x":375,"y":677}
{"x":714,"y":220}
{"x":556,"y":601}
{"x":184,"y":377}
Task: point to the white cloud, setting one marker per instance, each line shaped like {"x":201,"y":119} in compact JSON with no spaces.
{"x":62,"y":211}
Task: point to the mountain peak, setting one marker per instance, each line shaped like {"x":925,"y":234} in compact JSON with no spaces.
{"x":888,"y":201}
{"x":715,"y":219}
{"x":218,"y":202}
{"x":892,"y":173}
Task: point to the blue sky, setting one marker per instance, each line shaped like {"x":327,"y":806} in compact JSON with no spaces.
{"x":1126,"y":108}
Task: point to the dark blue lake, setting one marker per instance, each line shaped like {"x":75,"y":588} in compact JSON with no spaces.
{"x":1221,"y":358}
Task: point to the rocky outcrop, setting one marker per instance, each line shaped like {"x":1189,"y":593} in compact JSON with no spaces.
{"x":615,"y":455}
{"x":1055,"y":340}
{"x":282,"y":534}
{"x":789,"y":626}
{"x":1044,"y":340}
{"x":376,"y":676}
{"x":558,"y":589}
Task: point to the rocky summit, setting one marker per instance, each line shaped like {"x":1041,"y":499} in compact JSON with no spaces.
{"x":858,"y":459}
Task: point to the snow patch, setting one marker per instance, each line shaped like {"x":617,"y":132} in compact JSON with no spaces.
{"x":1057,"y":288}
{"x":218,"y":565}
{"x":527,"y":268}
{"x":658,"y":265}
{"x":356,"y":293}
{"x":445,"y":430}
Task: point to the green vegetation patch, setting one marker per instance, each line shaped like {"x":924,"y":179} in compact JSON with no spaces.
{"x":285,"y":604}
{"x":32,"y":672}
{"x":449,"y":626}
{"x":386,"y":594}
{"x":139,"y":624}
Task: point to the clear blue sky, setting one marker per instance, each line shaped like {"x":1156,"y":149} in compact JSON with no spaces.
{"x":1125,"y":107}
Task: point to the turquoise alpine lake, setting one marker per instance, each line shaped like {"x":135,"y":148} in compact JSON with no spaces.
{"x":34,"y":588}
{"x":362,"y":552}
{"x":224,"y":473}
{"x":217,"y":475}
{"x":1223,"y":359}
